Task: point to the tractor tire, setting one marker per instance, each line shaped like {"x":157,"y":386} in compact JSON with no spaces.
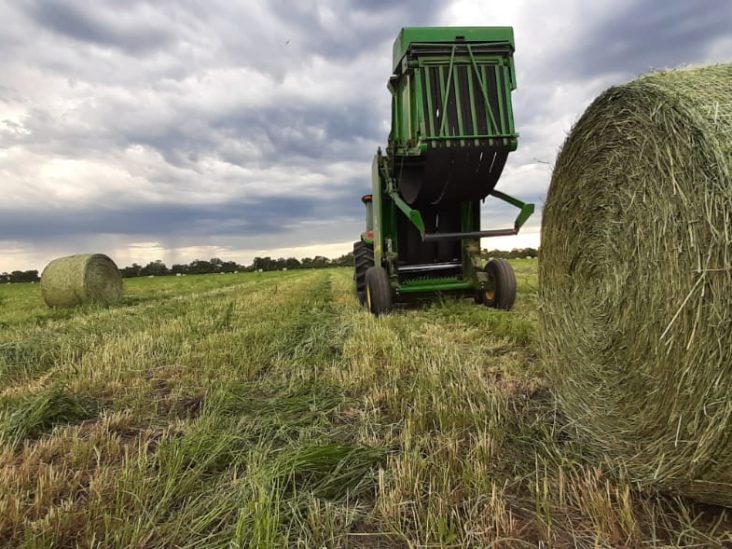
{"x":378,"y":291}
{"x":500,"y":292}
{"x":363,"y":258}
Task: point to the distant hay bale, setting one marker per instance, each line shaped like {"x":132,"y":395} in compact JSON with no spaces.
{"x":636,"y":281}
{"x":76,"y":279}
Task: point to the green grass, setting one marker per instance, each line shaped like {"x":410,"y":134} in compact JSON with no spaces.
{"x":267,"y":410}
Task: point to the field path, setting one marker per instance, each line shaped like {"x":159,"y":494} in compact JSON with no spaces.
{"x":269,"y":409}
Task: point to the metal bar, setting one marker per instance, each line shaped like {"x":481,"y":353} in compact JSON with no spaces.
{"x":413,"y":215}
{"x":526,"y":211}
{"x":471,"y":93}
{"x":434,"y":237}
{"x":480,"y":136}
{"x":508,"y":198}
{"x":483,"y":89}
{"x":428,"y":267}
{"x":460,"y":59}
{"x":435,"y":286}
{"x":499,"y":94}
{"x":441,"y":90}
{"x":488,"y":109}
{"x":446,"y":90}
{"x":410,"y":103}
{"x":509,"y":103}
{"x":458,"y":104}
{"x":526,"y":208}
{"x":430,"y":109}
{"x":419,"y":103}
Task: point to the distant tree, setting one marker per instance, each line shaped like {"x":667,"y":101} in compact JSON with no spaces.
{"x":515,"y":253}
{"x":230,"y":267}
{"x":131,"y":271}
{"x":264,"y":263}
{"x":345,"y":260}
{"x":155,"y":268}
{"x":292,"y":263}
{"x":320,"y":262}
{"x":23,"y":276}
{"x":200,"y":266}
{"x":218,"y":265}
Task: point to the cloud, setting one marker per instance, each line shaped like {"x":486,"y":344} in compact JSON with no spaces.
{"x":642,"y":35}
{"x":134,"y":27}
{"x":180,"y":128}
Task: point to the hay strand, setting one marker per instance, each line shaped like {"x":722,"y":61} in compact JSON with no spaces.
{"x":76,"y":279}
{"x":636,"y":280}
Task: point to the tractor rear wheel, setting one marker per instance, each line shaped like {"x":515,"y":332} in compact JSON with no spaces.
{"x":500,"y":290}
{"x":363,"y":258}
{"x":378,"y":291}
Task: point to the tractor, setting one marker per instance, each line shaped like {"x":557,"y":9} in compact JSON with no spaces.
{"x":452,"y":129}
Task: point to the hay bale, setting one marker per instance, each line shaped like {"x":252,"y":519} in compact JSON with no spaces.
{"x":636,"y":281}
{"x":76,"y":279}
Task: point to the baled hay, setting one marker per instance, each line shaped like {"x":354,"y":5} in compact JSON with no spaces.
{"x":76,"y":279}
{"x":636,"y":280}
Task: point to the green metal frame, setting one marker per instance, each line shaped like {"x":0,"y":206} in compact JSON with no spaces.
{"x":440,"y":35}
{"x":422,"y":55}
{"x":446,"y":58}
{"x":387,"y":204}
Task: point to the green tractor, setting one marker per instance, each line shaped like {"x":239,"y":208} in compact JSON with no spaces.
{"x":451,"y":131}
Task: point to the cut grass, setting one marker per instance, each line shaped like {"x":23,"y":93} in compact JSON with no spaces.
{"x":636,"y":281}
{"x":267,"y":410}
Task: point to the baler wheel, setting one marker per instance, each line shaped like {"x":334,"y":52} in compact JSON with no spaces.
{"x":500,"y":292}
{"x":378,"y":291}
{"x":363,"y":258}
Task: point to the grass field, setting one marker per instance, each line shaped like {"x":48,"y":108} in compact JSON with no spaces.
{"x":268,"y":409}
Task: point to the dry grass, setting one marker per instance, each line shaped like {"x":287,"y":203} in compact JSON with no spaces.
{"x":636,"y":278}
{"x":266,"y":410}
{"x":75,"y":279}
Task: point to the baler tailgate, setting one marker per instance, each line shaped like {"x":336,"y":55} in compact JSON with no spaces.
{"x":466,"y":98}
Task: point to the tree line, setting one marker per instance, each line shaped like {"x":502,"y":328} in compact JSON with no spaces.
{"x":216,"y":265}
{"x":19,"y":276}
{"x":516,"y":253}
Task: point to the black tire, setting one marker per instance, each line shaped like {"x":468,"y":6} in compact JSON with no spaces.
{"x":378,"y":291}
{"x":500,"y":291}
{"x":363,"y":258}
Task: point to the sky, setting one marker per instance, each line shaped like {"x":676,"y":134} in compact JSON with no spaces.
{"x":181,"y":130}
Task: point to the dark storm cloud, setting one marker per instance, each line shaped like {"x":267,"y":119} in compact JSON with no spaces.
{"x":122,"y":25}
{"x":362,"y":25}
{"x":648,"y":34}
{"x":292,"y":134}
{"x":243,"y":218}
{"x":217,"y":120}
{"x":318,"y":133}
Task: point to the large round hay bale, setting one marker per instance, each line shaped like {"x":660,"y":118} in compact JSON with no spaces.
{"x":76,"y":279}
{"x":636,"y":281}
